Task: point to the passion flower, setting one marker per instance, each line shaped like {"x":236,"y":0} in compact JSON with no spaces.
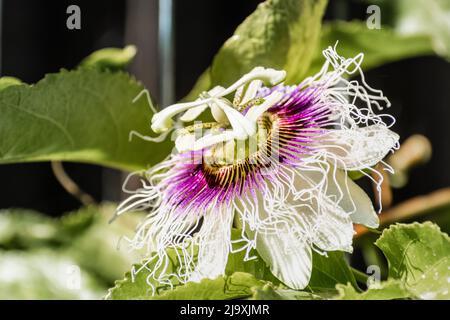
{"x":275,"y":161}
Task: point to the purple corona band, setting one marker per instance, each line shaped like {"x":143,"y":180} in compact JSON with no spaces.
{"x":298,"y":118}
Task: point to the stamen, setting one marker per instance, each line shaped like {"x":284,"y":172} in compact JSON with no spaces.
{"x":197,"y":126}
{"x":256,"y":111}
{"x":251,"y":91}
{"x":162,"y":121}
{"x":255,"y":101}
{"x":193,"y":113}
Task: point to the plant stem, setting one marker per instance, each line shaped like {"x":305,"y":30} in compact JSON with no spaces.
{"x":69,"y":185}
{"x":360,"y":276}
{"x":411,"y":208}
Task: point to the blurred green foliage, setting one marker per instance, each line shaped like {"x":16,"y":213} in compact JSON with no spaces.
{"x":38,"y":253}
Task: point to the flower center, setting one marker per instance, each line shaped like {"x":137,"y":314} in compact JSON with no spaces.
{"x":230,"y":163}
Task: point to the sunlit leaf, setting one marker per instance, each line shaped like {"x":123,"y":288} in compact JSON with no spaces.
{"x":269,"y":292}
{"x":328,"y":271}
{"x":235,"y":286}
{"x":379,"y":46}
{"x":6,"y":82}
{"x":426,"y":17}
{"x":84,"y":115}
{"x":419,"y":256}
{"x":281,"y":34}
{"x":388,"y":290}
{"x":110,"y":58}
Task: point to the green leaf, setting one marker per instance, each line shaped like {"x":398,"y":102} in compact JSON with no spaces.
{"x":75,"y":224}
{"x":328,"y":271}
{"x":235,"y":286}
{"x":110,"y":58}
{"x":133,"y":286}
{"x":388,"y":290}
{"x":257,"y":266}
{"x":269,"y":292}
{"x":6,"y":82}
{"x":426,"y":17}
{"x":84,"y":115}
{"x":140,"y":288}
{"x":419,"y":256}
{"x":379,"y":46}
{"x":281,"y":34}
{"x":138,"y":283}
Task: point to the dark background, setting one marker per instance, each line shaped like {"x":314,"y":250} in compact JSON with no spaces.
{"x":35,"y":41}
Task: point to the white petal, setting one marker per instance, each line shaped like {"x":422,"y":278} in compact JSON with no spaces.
{"x":241,"y":126}
{"x":357,"y":202}
{"x":218,"y":114}
{"x":216,"y":111}
{"x":319,"y":203}
{"x":267,"y":75}
{"x":216,"y":91}
{"x":193,"y":113}
{"x":209,"y":140}
{"x":328,"y":226}
{"x":291,"y":222}
{"x":251,"y":91}
{"x":356,"y":149}
{"x":214,"y":242}
{"x":290,"y":260}
{"x":162,"y":121}
{"x":333,"y":230}
{"x":345,"y":193}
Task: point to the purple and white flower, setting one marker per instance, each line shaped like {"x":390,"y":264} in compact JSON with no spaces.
{"x":275,"y":161}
